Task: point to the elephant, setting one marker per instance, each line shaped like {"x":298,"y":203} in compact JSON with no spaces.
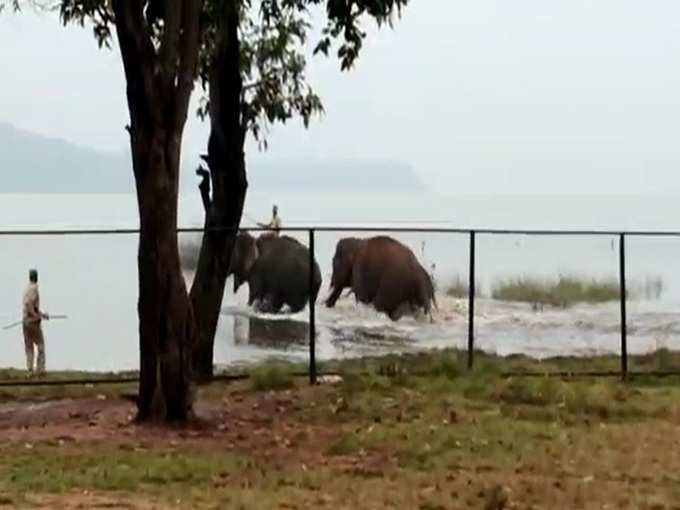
{"x":383,"y":272}
{"x":276,"y":270}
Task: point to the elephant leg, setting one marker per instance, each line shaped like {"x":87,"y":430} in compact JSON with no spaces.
{"x":297,"y":301}
{"x":254,"y":291}
{"x":383,"y":303}
{"x":259,"y":306}
{"x":333,"y":297}
{"x":400,"y":311}
{"x":276,"y":302}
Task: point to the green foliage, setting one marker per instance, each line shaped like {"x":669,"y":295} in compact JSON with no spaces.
{"x":344,"y":22}
{"x":273,"y":63}
{"x":272,"y":38}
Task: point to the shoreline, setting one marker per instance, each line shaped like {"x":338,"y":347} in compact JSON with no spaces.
{"x":661,"y":359}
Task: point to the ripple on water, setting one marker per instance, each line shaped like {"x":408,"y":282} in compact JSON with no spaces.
{"x":352,"y":329}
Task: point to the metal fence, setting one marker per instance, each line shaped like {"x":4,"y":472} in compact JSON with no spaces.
{"x":472,"y":234}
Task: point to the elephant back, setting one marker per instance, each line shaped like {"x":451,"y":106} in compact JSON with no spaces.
{"x":388,"y":274}
{"x":283,"y":270}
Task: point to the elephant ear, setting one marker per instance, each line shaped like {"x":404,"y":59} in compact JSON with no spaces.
{"x":253,"y":255}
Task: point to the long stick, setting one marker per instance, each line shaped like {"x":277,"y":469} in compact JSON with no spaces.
{"x":14,"y":324}
{"x":251,"y":219}
{"x":17,"y":323}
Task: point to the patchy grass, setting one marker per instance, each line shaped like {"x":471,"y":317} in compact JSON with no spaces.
{"x":272,"y":375}
{"x":43,"y":393}
{"x":412,"y":431}
{"x":347,"y":444}
{"x":114,"y":469}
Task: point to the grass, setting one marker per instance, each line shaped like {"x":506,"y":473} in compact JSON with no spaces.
{"x":566,"y":291}
{"x":114,"y":470}
{"x":563,"y":292}
{"x":42,"y":393}
{"x":460,"y":288}
{"x":272,"y":375}
{"x":408,"y":431}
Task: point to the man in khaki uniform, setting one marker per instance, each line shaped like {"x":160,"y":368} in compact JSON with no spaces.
{"x":274,"y":225}
{"x":32,"y":318}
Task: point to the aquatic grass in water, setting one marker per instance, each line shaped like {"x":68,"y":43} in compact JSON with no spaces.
{"x":564,"y":292}
{"x":460,"y":288}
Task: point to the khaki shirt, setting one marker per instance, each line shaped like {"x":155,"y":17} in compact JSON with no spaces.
{"x":275,"y":224}
{"x":31,"y":304}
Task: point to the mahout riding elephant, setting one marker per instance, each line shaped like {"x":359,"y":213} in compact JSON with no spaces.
{"x":383,"y":272}
{"x":276,"y":270}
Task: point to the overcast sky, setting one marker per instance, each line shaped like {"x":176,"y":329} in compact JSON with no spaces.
{"x":479,"y":97}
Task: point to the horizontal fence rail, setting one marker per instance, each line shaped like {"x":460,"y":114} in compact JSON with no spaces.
{"x":472,"y":234}
{"x":345,"y":228}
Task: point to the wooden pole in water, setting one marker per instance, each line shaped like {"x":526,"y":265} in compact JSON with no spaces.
{"x":471,"y":304}
{"x":623,"y":297}
{"x":312,"y":312}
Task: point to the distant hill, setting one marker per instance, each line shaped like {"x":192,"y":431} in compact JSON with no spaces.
{"x":332,"y":175}
{"x":31,"y":163}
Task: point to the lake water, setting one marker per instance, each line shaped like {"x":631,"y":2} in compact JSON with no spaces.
{"x":93,"y":278}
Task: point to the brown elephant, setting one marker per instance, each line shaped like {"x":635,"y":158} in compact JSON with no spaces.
{"x":383,"y":272}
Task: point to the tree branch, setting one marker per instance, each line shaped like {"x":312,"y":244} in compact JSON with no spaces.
{"x":188,"y":58}
{"x":172,"y":22}
{"x":204,"y":186}
{"x":138,"y":57}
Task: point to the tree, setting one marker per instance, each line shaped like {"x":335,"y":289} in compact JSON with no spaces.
{"x":166,"y":45}
{"x":159,"y":45}
{"x":269,"y":56}
{"x":272,"y":60}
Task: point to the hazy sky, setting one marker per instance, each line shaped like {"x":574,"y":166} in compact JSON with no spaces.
{"x":484,"y":96}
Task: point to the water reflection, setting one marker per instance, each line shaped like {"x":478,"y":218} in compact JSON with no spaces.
{"x":280,"y":334}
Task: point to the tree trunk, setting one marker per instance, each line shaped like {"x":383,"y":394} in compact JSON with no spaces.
{"x":159,"y":84}
{"x":223,"y":210}
{"x":166,"y":325}
{"x":209,"y":283}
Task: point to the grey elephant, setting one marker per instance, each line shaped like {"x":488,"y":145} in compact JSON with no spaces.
{"x":383,"y":272}
{"x":276,"y":270}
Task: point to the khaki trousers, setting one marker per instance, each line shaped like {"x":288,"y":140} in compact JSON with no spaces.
{"x":33,"y":339}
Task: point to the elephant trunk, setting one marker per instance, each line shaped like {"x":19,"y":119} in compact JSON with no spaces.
{"x":237,"y":282}
{"x":333,"y":296}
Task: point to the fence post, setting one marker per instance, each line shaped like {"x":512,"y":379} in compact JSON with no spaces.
{"x":623,"y":297}
{"x":312,"y":312}
{"x":471,"y":304}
